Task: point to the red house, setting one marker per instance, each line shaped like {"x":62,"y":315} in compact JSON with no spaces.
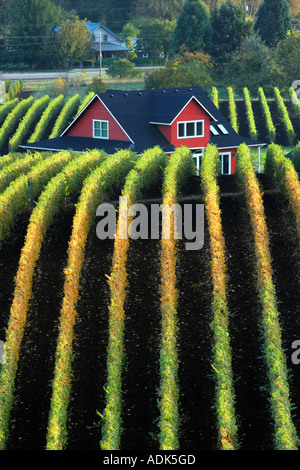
{"x":143,"y":119}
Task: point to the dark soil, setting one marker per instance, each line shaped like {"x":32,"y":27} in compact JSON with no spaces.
{"x":90,"y":343}
{"x":9,"y":261}
{"x":248,"y":366}
{"x":36,"y":364}
{"x":142,"y":330}
{"x":285,"y":250}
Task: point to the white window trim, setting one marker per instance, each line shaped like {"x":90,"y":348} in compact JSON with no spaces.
{"x":100,"y":120}
{"x":190,"y":136}
{"x":196,"y":156}
{"x":221,"y":155}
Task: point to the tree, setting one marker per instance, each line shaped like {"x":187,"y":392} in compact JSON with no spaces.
{"x":181,"y":72}
{"x":97,"y":85}
{"x":129,"y":30}
{"x":116,"y":12}
{"x":294,"y":7}
{"x":31,"y":21}
{"x":72,"y":42}
{"x":229,"y":26}
{"x":287,"y":54}
{"x":157,"y":9}
{"x":155,"y":37}
{"x":273,"y":21}
{"x":252,"y":66}
{"x":192,"y":27}
{"x":120,"y":68}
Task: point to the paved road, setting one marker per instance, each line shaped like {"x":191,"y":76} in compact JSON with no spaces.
{"x":47,"y":75}
{"x":53,"y":75}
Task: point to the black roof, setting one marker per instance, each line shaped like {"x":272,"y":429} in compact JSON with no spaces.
{"x":138,"y":111}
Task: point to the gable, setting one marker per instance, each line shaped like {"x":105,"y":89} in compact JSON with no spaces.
{"x":82,"y":126}
{"x":192,"y":112}
{"x":106,"y":34}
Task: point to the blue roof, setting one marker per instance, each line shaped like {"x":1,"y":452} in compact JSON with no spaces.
{"x":93,"y":26}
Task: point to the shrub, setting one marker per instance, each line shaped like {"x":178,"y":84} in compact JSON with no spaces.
{"x":97,"y":86}
{"x":120,"y":68}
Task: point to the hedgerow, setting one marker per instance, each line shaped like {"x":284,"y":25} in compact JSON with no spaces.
{"x":250,"y":115}
{"x":288,"y":126}
{"x":68,"y":180}
{"x":285,"y":437}
{"x":26,"y":123}
{"x":267,"y":114}
{"x":225,"y":401}
{"x":66,"y":115}
{"x":11,"y":121}
{"x":179,"y":167}
{"x":109,"y":173}
{"x":232,"y":110}
{"x":146,"y":170}
{"x":49,"y":113}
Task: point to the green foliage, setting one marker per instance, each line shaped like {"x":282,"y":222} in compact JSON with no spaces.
{"x":180,"y":166}
{"x":50,"y":113}
{"x":25,"y":125}
{"x":129,"y":30}
{"x":48,"y":205}
{"x":31,"y":20}
{"x":215,"y":96}
{"x":288,"y":57}
{"x":66,"y":115}
{"x":224,"y":401}
{"x":284,"y":432}
{"x":232,"y":110}
{"x":296,"y":157}
{"x":14,"y":89}
{"x":7,"y":83}
{"x":283,"y":112}
{"x":6,"y":108}
{"x":144,"y":172}
{"x":250,"y":115}
{"x":97,"y":85}
{"x":74,"y":40}
{"x":155,"y":37}
{"x":6,"y":160}
{"x":229,"y":26}
{"x":14,"y":200}
{"x":18,"y":167}
{"x":120,"y":68}
{"x":192,"y":27}
{"x":273,"y":21}
{"x":12,"y":120}
{"x":252,"y":56}
{"x":267,"y":115}
{"x":177,"y":74}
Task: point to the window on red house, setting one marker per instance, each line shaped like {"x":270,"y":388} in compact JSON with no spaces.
{"x":190,"y":129}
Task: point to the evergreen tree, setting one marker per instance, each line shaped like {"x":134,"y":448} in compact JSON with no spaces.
{"x":273,"y":21}
{"x":229,"y":27}
{"x":31,"y":21}
{"x":192,"y":28}
{"x":155,"y":37}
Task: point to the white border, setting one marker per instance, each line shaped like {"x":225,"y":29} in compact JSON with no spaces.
{"x":190,"y":136}
{"x":221,"y":155}
{"x":94,"y":97}
{"x":101,"y":137}
{"x":193,"y":97}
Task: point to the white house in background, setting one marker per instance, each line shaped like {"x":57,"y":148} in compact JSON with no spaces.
{"x":112,"y":45}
